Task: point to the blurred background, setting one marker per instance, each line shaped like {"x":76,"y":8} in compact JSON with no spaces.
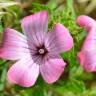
{"x":74,"y":81}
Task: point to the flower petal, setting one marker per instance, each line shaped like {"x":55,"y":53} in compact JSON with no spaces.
{"x":88,"y":60}
{"x":14,"y":45}
{"x":24,"y":72}
{"x":87,"y":55}
{"x":35,"y":26}
{"x":52,"y":69}
{"x":90,"y":40}
{"x":59,"y":39}
{"x":85,"y":21}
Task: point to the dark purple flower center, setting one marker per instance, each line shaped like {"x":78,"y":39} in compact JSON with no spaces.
{"x":42,"y":50}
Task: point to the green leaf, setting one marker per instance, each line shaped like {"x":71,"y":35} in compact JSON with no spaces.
{"x":2,"y":85}
{"x":38,"y":7}
{"x":75,"y":86}
{"x":1,"y":25}
{"x":38,"y":91}
{"x":6,"y":4}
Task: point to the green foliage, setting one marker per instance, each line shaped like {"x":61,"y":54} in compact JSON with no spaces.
{"x":37,"y":7}
{"x":1,"y":25}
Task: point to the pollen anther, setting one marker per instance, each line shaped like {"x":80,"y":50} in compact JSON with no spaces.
{"x":41,"y":51}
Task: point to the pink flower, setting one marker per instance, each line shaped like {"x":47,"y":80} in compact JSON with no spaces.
{"x":37,"y":51}
{"x":87,"y":55}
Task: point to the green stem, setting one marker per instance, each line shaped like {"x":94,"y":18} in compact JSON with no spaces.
{"x":70,"y":8}
{"x":3,"y":76}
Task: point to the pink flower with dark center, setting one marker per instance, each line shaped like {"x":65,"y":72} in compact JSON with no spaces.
{"x":37,"y":51}
{"x":87,"y":55}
